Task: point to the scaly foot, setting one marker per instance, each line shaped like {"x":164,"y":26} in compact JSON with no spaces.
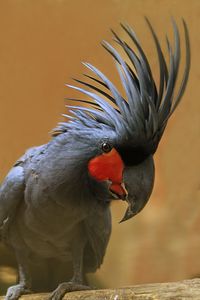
{"x":67,"y":287}
{"x":15,"y":291}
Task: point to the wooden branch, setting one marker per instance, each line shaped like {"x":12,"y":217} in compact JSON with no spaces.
{"x":182,"y":290}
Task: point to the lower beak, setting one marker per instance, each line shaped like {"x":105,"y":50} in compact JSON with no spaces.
{"x":118,"y":191}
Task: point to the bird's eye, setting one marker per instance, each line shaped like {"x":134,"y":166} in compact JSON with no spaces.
{"x":106,"y":147}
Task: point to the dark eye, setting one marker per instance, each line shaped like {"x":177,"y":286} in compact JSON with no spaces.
{"x":106,"y":147}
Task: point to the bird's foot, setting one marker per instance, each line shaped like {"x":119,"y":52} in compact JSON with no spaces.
{"x":15,"y":291}
{"x":67,"y":287}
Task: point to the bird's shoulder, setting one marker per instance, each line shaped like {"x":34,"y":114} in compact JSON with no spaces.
{"x":31,"y":155}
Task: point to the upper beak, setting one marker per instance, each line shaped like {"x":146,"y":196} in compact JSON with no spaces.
{"x":138,"y":181}
{"x":133,"y":209}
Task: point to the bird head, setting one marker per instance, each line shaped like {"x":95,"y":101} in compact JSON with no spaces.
{"x":124,"y":132}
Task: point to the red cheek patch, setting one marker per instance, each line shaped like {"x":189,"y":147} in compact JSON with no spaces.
{"x":107,"y":166}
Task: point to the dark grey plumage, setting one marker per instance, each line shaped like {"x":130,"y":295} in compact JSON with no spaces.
{"x":143,"y":115}
{"x":54,"y":212}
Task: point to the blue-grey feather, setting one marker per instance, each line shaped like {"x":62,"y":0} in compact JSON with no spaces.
{"x":143,"y":114}
{"x":93,"y":87}
{"x":186,"y":71}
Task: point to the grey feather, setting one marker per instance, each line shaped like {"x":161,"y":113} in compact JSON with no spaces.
{"x":11,"y":192}
{"x":143,"y":115}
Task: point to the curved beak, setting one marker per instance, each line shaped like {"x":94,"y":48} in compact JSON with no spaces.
{"x":138,"y":181}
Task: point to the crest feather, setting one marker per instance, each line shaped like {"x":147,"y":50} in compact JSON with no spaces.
{"x":144,"y":114}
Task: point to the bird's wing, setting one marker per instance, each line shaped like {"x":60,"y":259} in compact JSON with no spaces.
{"x":11,"y":192}
{"x":98,"y":228}
{"x":13,"y":187}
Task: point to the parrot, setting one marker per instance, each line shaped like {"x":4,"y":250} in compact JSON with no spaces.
{"x":55,"y":201}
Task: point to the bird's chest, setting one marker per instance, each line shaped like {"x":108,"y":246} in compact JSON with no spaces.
{"x":51,"y":212}
{"x":49,"y":217}
{"x":51,"y":199}
{"x":47,"y":229}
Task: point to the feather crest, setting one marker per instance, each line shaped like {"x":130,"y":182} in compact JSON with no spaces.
{"x":144,"y":114}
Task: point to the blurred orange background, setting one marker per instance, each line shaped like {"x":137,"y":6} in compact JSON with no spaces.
{"x":42,"y":44}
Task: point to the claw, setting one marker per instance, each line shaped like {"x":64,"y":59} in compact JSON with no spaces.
{"x":67,"y":287}
{"x":15,"y":291}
